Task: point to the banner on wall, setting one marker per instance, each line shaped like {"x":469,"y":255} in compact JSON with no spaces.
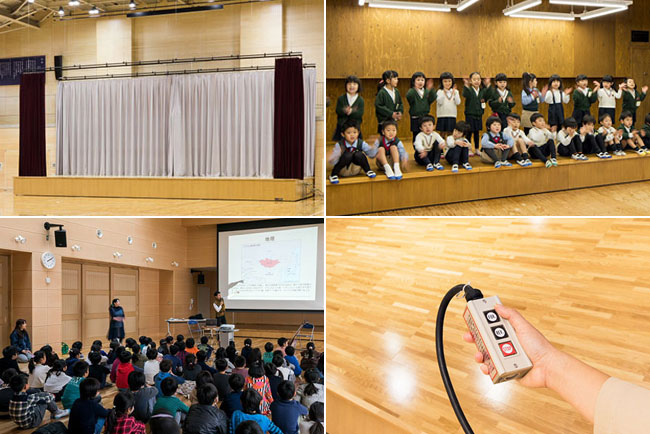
{"x":12,"y":68}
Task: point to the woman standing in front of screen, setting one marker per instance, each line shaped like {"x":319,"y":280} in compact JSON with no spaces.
{"x":220,"y":307}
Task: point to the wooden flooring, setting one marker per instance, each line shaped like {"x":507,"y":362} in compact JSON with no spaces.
{"x":582,"y":282}
{"x":43,"y":205}
{"x":257,"y":335}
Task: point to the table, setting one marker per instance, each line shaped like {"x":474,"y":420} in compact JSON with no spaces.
{"x":170,"y":321}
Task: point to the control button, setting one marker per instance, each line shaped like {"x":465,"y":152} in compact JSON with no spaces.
{"x":507,"y":349}
{"x":491,"y":316}
{"x":499,"y":332}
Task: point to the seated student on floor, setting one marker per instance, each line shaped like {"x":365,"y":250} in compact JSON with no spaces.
{"x":20,"y":341}
{"x":286,"y":411}
{"x":283,"y":367}
{"x":169,"y":402}
{"x":275,"y":378}
{"x":204,"y":377}
{"x":249,"y":427}
{"x":314,"y":422}
{"x":251,"y":401}
{"x":458,"y":147}
{"x":191,"y":368}
{"x":201,"y":359}
{"x":247,"y":348}
{"x":28,"y":409}
{"x":177,"y":365}
{"x":190,"y":346}
{"x":521,"y":141}
{"x":268,"y":353}
{"x":120,"y":420}
{"x":588,"y":138}
{"x":349,"y":156}
{"x":87,"y":415}
{"x":232,"y":401}
{"x":290,"y":357}
{"x":152,"y":365}
{"x":6,"y":393}
{"x":544,"y":144}
{"x":165,"y":372}
{"x":37,"y":370}
{"x":71,"y":391}
{"x":73,"y":358}
{"x":56,"y":380}
{"x":645,"y":132}
{"x":204,"y":417}
{"x":630,"y":136}
{"x":495,"y":145}
{"x":96,"y":347}
{"x":240,"y":366}
{"x":9,"y":359}
{"x":205,"y":347}
{"x":608,"y":137}
{"x":311,"y":390}
{"x":257,"y":380}
{"x":221,"y":378}
{"x":568,"y":141}
{"x":428,"y":145}
{"x":144,"y":397}
{"x":97,"y":370}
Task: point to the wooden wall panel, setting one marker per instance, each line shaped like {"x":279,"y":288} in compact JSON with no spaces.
{"x":5,"y":293}
{"x":96,"y":300}
{"x":71,"y":313}
{"x":148,"y":301}
{"x":366,"y":41}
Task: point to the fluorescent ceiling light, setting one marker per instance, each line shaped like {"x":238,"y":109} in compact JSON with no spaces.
{"x":362,"y":2}
{"x":410,"y":5}
{"x":521,"y":7}
{"x":600,"y":12}
{"x":544,"y":16}
{"x":594,"y":3}
{"x":464,"y":4}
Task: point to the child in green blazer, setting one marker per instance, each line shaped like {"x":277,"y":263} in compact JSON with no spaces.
{"x":502,"y":100}
{"x":420,"y":97}
{"x":476,"y":92}
{"x":388,"y":102}
{"x":350,"y":106}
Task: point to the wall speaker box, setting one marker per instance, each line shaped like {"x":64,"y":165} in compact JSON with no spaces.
{"x":58,"y":64}
{"x":640,"y":36}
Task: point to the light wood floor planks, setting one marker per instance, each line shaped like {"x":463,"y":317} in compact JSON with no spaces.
{"x":582,"y":282}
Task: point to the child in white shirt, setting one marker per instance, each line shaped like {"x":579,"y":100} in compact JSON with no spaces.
{"x":568,"y":141}
{"x":522,"y":142}
{"x":607,"y":136}
{"x":543,"y":140}
{"x":458,"y":147}
{"x":428,"y":145}
{"x":448,"y":100}
{"x":607,"y":97}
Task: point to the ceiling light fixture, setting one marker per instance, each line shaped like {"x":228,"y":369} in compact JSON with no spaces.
{"x":61,"y":11}
{"x":94,"y":11}
{"x":594,"y":3}
{"x":132,"y":5}
{"x":464,"y":4}
{"x":390,"y":4}
{"x":521,"y":7}
{"x":544,"y":16}
{"x":74,"y":3}
{"x":600,"y":12}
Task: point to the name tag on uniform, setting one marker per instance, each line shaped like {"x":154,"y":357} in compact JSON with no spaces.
{"x":638,"y":103}
{"x":483,"y":105}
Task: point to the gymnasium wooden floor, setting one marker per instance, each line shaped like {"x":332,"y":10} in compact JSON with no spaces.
{"x":259,"y":338}
{"x":43,"y":205}
{"x":582,"y":282}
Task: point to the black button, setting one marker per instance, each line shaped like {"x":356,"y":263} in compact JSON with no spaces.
{"x":499,"y":332}
{"x":491,"y":316}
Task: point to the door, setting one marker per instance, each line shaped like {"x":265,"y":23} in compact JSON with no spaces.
{"x":124,"y":285}
{"x":4,"y":301}
{"x":71,"y":302}
{"x":96,"y":301}
{"x":205,"y":306}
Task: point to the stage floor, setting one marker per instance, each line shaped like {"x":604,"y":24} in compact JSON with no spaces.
{"x":581,"y":282}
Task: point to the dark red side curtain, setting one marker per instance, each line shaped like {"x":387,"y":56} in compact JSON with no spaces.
{"x":289,"y":127}
{"x":32,"y":125}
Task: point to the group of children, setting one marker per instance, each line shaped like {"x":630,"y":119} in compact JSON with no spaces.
{"x":509,"y":136}
{"x":230,"y":392}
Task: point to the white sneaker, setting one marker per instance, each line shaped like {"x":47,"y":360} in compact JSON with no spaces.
{"x":61,"y":413}
{"x":497,"y":164}
{"x":528,"y":162}
{"x":575,"y":157}
{"x":640,"y":152}
{"x":370,"y":174}
{"x":506,"y":163}
{"x":467,"y":166}
{"x":522,"y":163}
{"x":398,"y":173}
{"x":454,"y":168}
{"x":439,"y":166}
{"x":429,"y":167}
{"x":334,"y":179}
{"x":606,"y":155}
{"x":583,"y":157}
{"x":389,"y":171}
{"x":554,"y":161}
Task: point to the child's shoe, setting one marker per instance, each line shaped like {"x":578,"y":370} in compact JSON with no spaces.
{"x":439,"y":166}
{"x":398,"y":173}
{"x":575,"y":157}
{"x":389,"y":171}
{"x":554,"y":161}
{"x":528,"y":163}
{"x":454,"y":168}
{"x":61,"y":413}
{"x":370,"y":174}
{"x":467,"y":166}
{"x":641,"y":152}
{"x":583,"y":157}
{"x":606,"y":155}
{"x":506,"y":163}
{"x":429,"y":167}
{"x":334,"y":179}
{"x":497,"y":164}
{"x":549,"y":164}
{"x":522,"y":163}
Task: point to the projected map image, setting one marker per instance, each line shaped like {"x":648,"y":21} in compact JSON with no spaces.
{"x":273,"y":261}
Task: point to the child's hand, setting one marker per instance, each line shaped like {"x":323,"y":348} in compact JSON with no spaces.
{"x":347,"y":110}
{"x":510,"y":100}
{"x":568,"y":91}
{"x":461,"y":143}
{"x":621,"y":86}
{"x":430,"y":83}
{"x":500,"y":99}
{"x":624,"y":86}
{"x":423,"y":154}
{"x":466,"y":81}
{"x":644,"y":89}
{"x":596,"y":84}
{"x":545,"y":90}
{"x":441,"y":146}
{"x":455,"y":87}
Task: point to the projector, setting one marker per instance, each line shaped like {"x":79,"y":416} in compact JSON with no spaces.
{"x":227,"y":327}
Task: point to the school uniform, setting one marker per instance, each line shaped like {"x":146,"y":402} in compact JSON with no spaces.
{"x":457,"y":154}
{"x":420,"y":101}
{"x":556,"y":100}
{"x":605,"y":139}
{"x":607,"y":102}
{"x":519,"y":134}
{"x":428,"y":143}
{"x":490,"y":154}
{"x":357,"y":104}
{"x":447,"y":109}
{"x":582,"y":101}
{"x":386,"y":144}
{"x":627,"y":132}
{"x":530,"y":104}
{"x":544,"y":145}
{"x":631,"y":102}
{"x":568,"y":144}
{"x":474,"y":108}
{"x":387,"y":102}
{"x":503,"y":108}
{"x":350,"y":158}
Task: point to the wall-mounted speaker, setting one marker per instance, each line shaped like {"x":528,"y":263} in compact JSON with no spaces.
{"x":58,"y":64}
{"x":640,"y":36}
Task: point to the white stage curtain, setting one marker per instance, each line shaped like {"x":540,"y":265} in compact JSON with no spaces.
{"x":207,"y":125}
{"x":309,"y":83}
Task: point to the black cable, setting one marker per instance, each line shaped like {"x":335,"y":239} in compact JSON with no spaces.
{"x":470,"y":294}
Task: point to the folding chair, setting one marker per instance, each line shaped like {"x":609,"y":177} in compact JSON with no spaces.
{"x":305,"y":330}
{"x":194,"y":327}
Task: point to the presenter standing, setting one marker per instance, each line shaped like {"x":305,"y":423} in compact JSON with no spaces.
{"x":220,"y":307}
{"x":116,"y":327}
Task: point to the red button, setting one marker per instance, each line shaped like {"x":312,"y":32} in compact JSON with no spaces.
{"x":507,"y":349}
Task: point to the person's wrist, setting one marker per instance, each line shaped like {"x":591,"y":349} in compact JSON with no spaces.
{"x":555,"y":363}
